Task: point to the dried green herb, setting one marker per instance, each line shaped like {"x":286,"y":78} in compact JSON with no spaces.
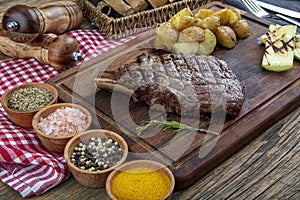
{"x":170,"y":125}
{"x":29,"y":98}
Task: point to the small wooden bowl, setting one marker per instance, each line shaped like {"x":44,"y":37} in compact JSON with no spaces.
{"x":24,"y":118}
{"x":57,"y":143}
{"x":94,"y":179}
{"x":140,"y":163}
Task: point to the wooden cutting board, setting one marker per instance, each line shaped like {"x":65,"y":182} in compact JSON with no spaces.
{"x":269,"y":97}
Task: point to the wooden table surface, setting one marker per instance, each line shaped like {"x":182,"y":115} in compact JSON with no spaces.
{"x":266,"y":168}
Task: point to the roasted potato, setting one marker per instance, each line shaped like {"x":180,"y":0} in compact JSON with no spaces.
{"x":183,"y":19}
{"x":166,"y":36}
{"x":232,"y":18}
{"x":223,"y":14}
{"x":237,"y":12}
{"x":202,"y":13}
{"x":183,"y":12}
{"x":226,"y":37}
{"x":208,"y":45}
{"x":210,"y":22}
{"x":181,"y":22}
{"x":241,"y":29}
{"x":159,"y":43}
{"x":191,"y":34}
{"x":190,"y":48}
{"x":199,"y":33}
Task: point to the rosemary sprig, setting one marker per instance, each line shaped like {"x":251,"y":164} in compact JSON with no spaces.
{"x":170,"y":125}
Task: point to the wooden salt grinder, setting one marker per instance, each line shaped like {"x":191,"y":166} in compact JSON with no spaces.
{"x":58,"y":51}
{"x":24,"y":24}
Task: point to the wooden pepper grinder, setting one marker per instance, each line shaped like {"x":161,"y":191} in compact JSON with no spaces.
{"x":58,"y":51}
{"x":24,"y":24}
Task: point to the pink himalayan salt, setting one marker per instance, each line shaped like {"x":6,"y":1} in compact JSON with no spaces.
{"x":62,"y":122}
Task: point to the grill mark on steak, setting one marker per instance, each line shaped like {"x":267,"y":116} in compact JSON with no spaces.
{"x":181,"y":83}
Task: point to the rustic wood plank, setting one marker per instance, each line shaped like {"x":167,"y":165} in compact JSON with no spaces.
{"x":267,"y":168}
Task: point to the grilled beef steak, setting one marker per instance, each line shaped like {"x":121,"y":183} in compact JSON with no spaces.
{"x":183,"y":84}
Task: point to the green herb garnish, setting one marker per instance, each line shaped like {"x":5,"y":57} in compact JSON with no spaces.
{"x":170,"y":125}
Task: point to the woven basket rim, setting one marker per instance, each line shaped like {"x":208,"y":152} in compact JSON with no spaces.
{"x":116,"y":28}
{"x":171,"y":5}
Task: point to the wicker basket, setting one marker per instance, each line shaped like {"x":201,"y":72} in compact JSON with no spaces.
{"x":115,"y":28}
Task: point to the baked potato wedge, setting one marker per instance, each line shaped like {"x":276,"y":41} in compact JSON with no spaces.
{"x":202,"y":13}
{"x":237,"y":12}
{"x":159,"y":43}
{"x":208,"y":45}
{"x":166,"y":36}
{"x":191,"y":34}
{"x":241,"y":29}
{"x":190,"y":48}
{"x":226,"y":37}
{"x":232,"y":18}
{"x":223,"y":14}
{"x":211,"y":22}
{"x":181,"y":22}
{"x":183,"y":12}
{"x":183,"y":19}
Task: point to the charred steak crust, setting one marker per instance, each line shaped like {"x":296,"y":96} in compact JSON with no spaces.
{"x":183,"y":84}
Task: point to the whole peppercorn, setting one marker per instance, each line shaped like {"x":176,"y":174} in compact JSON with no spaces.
{"x":29,"y":98}
{"x":96,"y":154}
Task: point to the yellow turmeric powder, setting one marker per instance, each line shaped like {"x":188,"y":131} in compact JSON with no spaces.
{"x":140,"y":183}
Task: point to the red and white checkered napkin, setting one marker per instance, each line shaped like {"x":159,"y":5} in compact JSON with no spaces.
{"x":25,"y":164}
